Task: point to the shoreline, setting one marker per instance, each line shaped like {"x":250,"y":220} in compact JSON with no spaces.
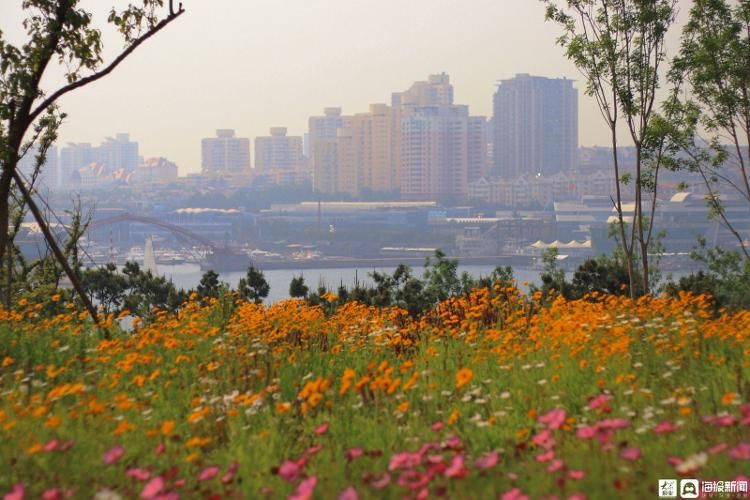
{"x":525,"y":261}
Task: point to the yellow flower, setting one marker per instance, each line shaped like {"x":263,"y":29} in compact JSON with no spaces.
{"x":463,"y":377}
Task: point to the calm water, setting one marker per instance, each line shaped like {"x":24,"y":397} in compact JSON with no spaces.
{"x":189,"y":275}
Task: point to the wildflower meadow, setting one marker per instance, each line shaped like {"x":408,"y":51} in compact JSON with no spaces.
{"x":492,"y":394}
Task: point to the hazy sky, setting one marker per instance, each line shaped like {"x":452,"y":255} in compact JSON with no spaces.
{"x":254,"y":64}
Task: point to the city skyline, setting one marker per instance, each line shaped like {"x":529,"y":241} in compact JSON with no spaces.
{"x":356,"y":61}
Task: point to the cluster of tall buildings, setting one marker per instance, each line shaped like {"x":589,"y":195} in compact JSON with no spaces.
{"x":422,"y":145}
{"x":85,"y":166}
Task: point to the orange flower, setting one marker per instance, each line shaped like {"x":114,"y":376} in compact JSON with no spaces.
{"x":167,"y":427}
{"x":122,"y":427}
{"x":196,"y":442}
{"x":453,"y":417}
{"x":53,"y":422}
{"x":283,"y":407}
{"x":463,"y":377}
{"x":403,"y":407}
{"x":729,"y":398}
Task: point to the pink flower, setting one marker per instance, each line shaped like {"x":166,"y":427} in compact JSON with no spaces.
{"x":631,"y":454}
{"x":382,"y":482}
{"x":305,"y":489}
{"x":717,"y":448}
{"x":553,"y":419}
{"x":613,"y":423}
{"x":664,"y":427}
{"x":231,"y":471}
{"x":289,"y":471}
{"x":674,"y":461}
{"x":453,"y":443}
{"x":437,"y":426}
{"x":413,"y":479}
{"x":514,"y":494}
{"x":546,"y":456}
{"x":170,"y":495}
{"x":404,"y":460}
{"x":555,"y":465}
{"x":160,"y":449}
{"x":740,"y":452}
{"x":113,"y":454}
{"x":576,"y":474}
{"x":487,"y":461}
{"x":322,"y":428}
{"x":348,"y":494}
{"x":720,"y":420}
{"x":312,"y":450}
{"x":544,"y":439}
{"x":53,"y":494}
{"x":137,"y":473}
{"x":456,"y":469}
{"x":353,"y":453}
{"x":586,"y":432}
{"x":208,"y":473}
{"x":51,"y":445}
{"x":599,"y":401}
{"x":577,"y":496}
{"x":16,"y":493}
{"x":153,"y":487}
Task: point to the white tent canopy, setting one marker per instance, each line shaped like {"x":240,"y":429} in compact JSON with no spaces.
{"x":573,"y":244}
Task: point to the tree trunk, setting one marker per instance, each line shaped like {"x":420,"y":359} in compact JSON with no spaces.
{"x":621,"y":223}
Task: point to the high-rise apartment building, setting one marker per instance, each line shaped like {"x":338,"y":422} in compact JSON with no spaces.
{"x":477,"y":148}
{"x":436,"y":91}
{"x":434,"y":152}
{"x":422,"y":145}
{"x":323,"y":150}
{"x":119,"y":152}
{"x":374,"y":139}
{"x":225,"y":153}
{"x":279,"y":157}
{"x":74,"y":157}
{"x":440,"y":145}
{"x":535,"y":126}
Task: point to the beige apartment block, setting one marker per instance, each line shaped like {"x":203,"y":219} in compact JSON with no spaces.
{"x":374,"y":140}
{"x":324,"y":150}
{"x":225,"y":153}
{"x":279,"y":158}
